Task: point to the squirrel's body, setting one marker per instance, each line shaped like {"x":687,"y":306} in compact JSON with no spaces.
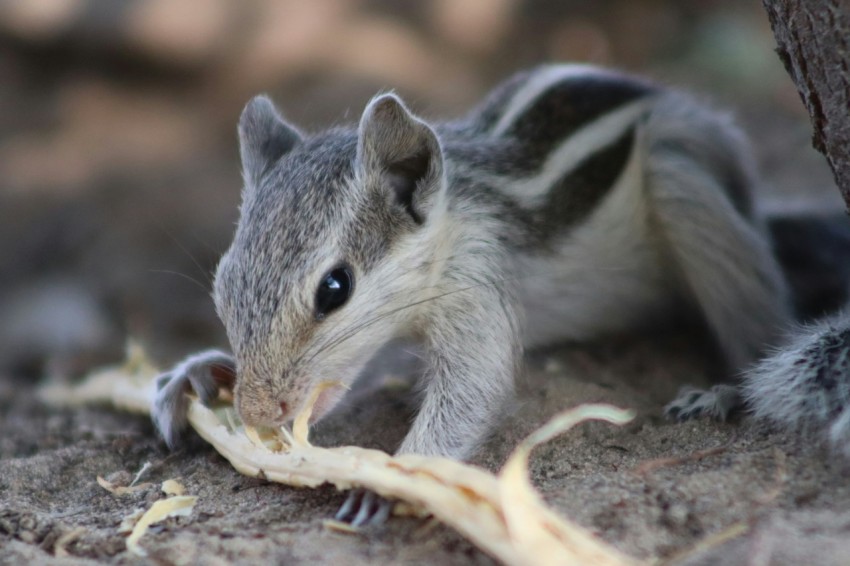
{"x":571,"y":203}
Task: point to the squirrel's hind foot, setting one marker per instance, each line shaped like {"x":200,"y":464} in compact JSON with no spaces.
{"x":692,"y":403}
{"x":364,"y":508}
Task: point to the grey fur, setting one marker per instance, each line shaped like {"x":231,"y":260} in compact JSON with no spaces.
{"x":402,"y":153}
{"x":196,"y":372}
{"x":263,"y":138}
{"x":580,"y":199}
{"x":699,"y":176}
{"x":806,"y":383}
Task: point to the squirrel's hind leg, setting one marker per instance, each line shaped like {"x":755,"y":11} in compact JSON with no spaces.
{"x":697,"y":180}
{"x":724,"y":261}
{"x":728,"y":269}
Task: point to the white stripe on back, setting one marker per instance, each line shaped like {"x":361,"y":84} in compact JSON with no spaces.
{"x":574,"y":150}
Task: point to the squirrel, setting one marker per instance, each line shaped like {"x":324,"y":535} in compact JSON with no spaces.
{"x":574,"y":201}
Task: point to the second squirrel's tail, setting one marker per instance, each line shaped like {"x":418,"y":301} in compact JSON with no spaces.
{"x":806,"y":384}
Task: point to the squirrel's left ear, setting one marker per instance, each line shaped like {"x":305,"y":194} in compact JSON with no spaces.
{"x":403,"y":152}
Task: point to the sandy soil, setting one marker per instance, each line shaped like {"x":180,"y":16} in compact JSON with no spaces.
{"x":790,"y":494}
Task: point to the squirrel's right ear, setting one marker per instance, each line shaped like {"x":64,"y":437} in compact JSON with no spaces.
{"x":264,"y":137}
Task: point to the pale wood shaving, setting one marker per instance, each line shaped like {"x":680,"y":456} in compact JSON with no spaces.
{"x":339,"y":526}
{"x":173,"y":487}
{"x":121,"y":489}
{"x":179,"y":506}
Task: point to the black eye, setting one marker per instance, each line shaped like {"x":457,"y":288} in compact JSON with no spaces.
{"x":334,"y":290}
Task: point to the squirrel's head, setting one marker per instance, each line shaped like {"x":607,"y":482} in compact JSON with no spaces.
{"x":325,"y":255}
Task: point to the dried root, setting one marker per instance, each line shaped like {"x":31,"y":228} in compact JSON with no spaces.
{"x":501,"y":514}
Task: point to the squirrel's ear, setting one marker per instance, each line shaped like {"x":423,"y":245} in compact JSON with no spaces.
{"x":403,"y":151}
{"x":264,"y":137}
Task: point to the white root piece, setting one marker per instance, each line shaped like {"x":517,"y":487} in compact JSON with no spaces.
{"x":529,"y":521}
{"x":502,"y":515}
{"x":129,"y":387}
{"x":145,"y":467}
{"x":180,"y":506}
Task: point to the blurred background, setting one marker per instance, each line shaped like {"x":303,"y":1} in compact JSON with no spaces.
{"x":119,"y":178}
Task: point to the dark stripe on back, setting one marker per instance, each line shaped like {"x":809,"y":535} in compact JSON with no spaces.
{"x":566,"y":107}
{"x":573,"y":198}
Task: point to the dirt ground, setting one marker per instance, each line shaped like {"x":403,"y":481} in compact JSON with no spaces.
{"x":652,"y":489}
{"x":118,"y":192}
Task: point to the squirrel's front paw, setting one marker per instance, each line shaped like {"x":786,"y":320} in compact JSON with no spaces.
{"x":691,"y":403}
{"x":202,"y":373}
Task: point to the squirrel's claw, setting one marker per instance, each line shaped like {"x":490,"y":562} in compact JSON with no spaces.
{"x":364,"y":508}
{"x":202,"y":373}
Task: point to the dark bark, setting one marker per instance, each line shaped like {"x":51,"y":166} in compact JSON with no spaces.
{"x":813,"y":38}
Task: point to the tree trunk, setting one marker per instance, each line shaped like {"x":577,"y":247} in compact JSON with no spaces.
{"x":813,"y":38}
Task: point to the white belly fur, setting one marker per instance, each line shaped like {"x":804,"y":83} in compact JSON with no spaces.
{"x":606,"y":276}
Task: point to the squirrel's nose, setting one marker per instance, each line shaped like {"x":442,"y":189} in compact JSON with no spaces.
{"x":260,"y":408}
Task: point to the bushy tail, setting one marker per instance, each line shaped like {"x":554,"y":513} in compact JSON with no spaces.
{"x":806,"y":383}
